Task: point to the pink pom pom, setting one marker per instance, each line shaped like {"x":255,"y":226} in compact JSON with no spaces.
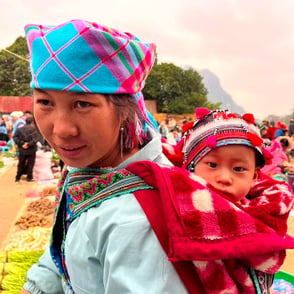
{"x":188,"y":126}
{"x":200,"y":112}
{"x":211,"y":141}
{"x":268,"y":156}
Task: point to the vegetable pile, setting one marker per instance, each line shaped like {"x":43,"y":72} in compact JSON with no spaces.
{"x":13,"y":268}
{"x":27,"y":239}
{"x":32,"y":229}
{"x":37,"y":214}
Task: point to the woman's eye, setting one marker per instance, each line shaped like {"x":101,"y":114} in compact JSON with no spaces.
{"x":83,"y":104}
{"x":43,"y":102}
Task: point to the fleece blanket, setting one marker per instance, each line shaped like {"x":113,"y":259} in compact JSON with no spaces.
{"x":225,"y":241}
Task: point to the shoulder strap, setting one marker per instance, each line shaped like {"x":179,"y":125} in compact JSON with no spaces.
{"x":151,"y":204}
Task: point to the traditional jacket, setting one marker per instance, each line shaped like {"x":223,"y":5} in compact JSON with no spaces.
{"x":110,"y":248}
{"x":103,"y":243}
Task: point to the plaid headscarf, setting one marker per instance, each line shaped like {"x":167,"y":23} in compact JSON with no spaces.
{"x":84,"y":56}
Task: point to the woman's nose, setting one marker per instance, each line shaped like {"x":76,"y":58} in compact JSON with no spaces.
{"x":65,"y":126}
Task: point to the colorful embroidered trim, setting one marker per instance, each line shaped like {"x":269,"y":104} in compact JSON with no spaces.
{"x":82,"y":189}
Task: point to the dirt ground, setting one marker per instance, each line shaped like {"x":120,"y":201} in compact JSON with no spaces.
{"x":13,"y":201}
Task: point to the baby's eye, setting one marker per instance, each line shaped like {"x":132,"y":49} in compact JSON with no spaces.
{"x":239,"y":169}
{"x":212,"y":164}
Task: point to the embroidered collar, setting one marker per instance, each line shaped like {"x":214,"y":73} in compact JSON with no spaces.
{"x":79,"y":190}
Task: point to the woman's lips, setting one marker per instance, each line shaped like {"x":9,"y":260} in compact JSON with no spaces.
{"x":70,"y":151}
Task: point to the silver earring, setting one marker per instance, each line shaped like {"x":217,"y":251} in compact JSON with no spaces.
{"x":121,"y":142}
{"x":191,"y":167}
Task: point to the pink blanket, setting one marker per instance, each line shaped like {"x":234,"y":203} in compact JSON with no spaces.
{"x":223,"y":239}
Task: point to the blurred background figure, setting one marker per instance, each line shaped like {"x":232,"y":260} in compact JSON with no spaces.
{"x":163,"y":128}
{"x":26,"y":139}
{"x":263,"y":128}
{"x":17,"y":120}
{"x":291,"y":127}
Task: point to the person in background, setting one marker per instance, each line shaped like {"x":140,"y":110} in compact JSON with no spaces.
{"x":8,"y":125}
{"x":3,"y":131}
{"x":279,"y":158}
{"x":26,"y":139}
{"x":171,"y":124}
{"x":184,"y":120}
{"x":2,"y":122}
{"x":27,"y":114}
{"x":287,"y":145}
{"x":271,"y":130}
{"x":17,"y":120}
{"x":281,"y":130}
{"x":263,"y":128}
{"x":291,"y":128}
{"x":163,"y":128}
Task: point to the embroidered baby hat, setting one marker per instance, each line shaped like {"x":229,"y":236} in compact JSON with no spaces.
{"x":85,"y":56}
{"x":217,"y":128}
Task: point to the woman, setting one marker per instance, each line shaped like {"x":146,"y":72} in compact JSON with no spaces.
{"x":120,"y":205}
{"x":87,"y":81}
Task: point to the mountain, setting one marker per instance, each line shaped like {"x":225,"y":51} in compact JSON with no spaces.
{"x":216,"y":93}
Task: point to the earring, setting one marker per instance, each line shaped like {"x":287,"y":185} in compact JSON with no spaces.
{"x":121,"y":142}
{"x":191,"y":167}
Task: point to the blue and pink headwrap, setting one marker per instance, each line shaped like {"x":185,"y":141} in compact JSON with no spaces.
{"x":83,"y":56}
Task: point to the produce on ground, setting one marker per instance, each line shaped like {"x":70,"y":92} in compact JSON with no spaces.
{"x":14,"y":265}
{"x":35,"y":238}
{"x":32,"y":229}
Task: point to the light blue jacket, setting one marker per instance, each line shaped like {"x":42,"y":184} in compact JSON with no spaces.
{"x":111,"y":249}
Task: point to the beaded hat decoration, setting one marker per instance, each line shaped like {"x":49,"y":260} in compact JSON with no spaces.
{"x":217,"y":128}
{"x":84,"y":56}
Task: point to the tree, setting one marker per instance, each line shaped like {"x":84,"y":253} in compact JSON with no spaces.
{"x":14,"y":69}
{"x":176,"y":90}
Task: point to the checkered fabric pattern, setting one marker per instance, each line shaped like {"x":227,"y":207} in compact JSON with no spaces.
{"x":223,"y":239}
{"x":87,"y":57}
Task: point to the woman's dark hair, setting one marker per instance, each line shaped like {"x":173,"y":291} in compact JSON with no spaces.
{"x":132,"y":132}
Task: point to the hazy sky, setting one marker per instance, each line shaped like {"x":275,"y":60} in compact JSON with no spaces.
{"x":248,"y":44}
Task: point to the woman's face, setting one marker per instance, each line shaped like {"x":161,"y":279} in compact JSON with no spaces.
{"x":82,"y":128}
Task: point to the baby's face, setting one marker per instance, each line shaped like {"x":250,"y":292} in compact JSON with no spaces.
{"x":229,"y":169}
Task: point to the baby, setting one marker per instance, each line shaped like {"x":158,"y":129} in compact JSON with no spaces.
{"x":224,"y":216}
{"x":224,"y":149}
